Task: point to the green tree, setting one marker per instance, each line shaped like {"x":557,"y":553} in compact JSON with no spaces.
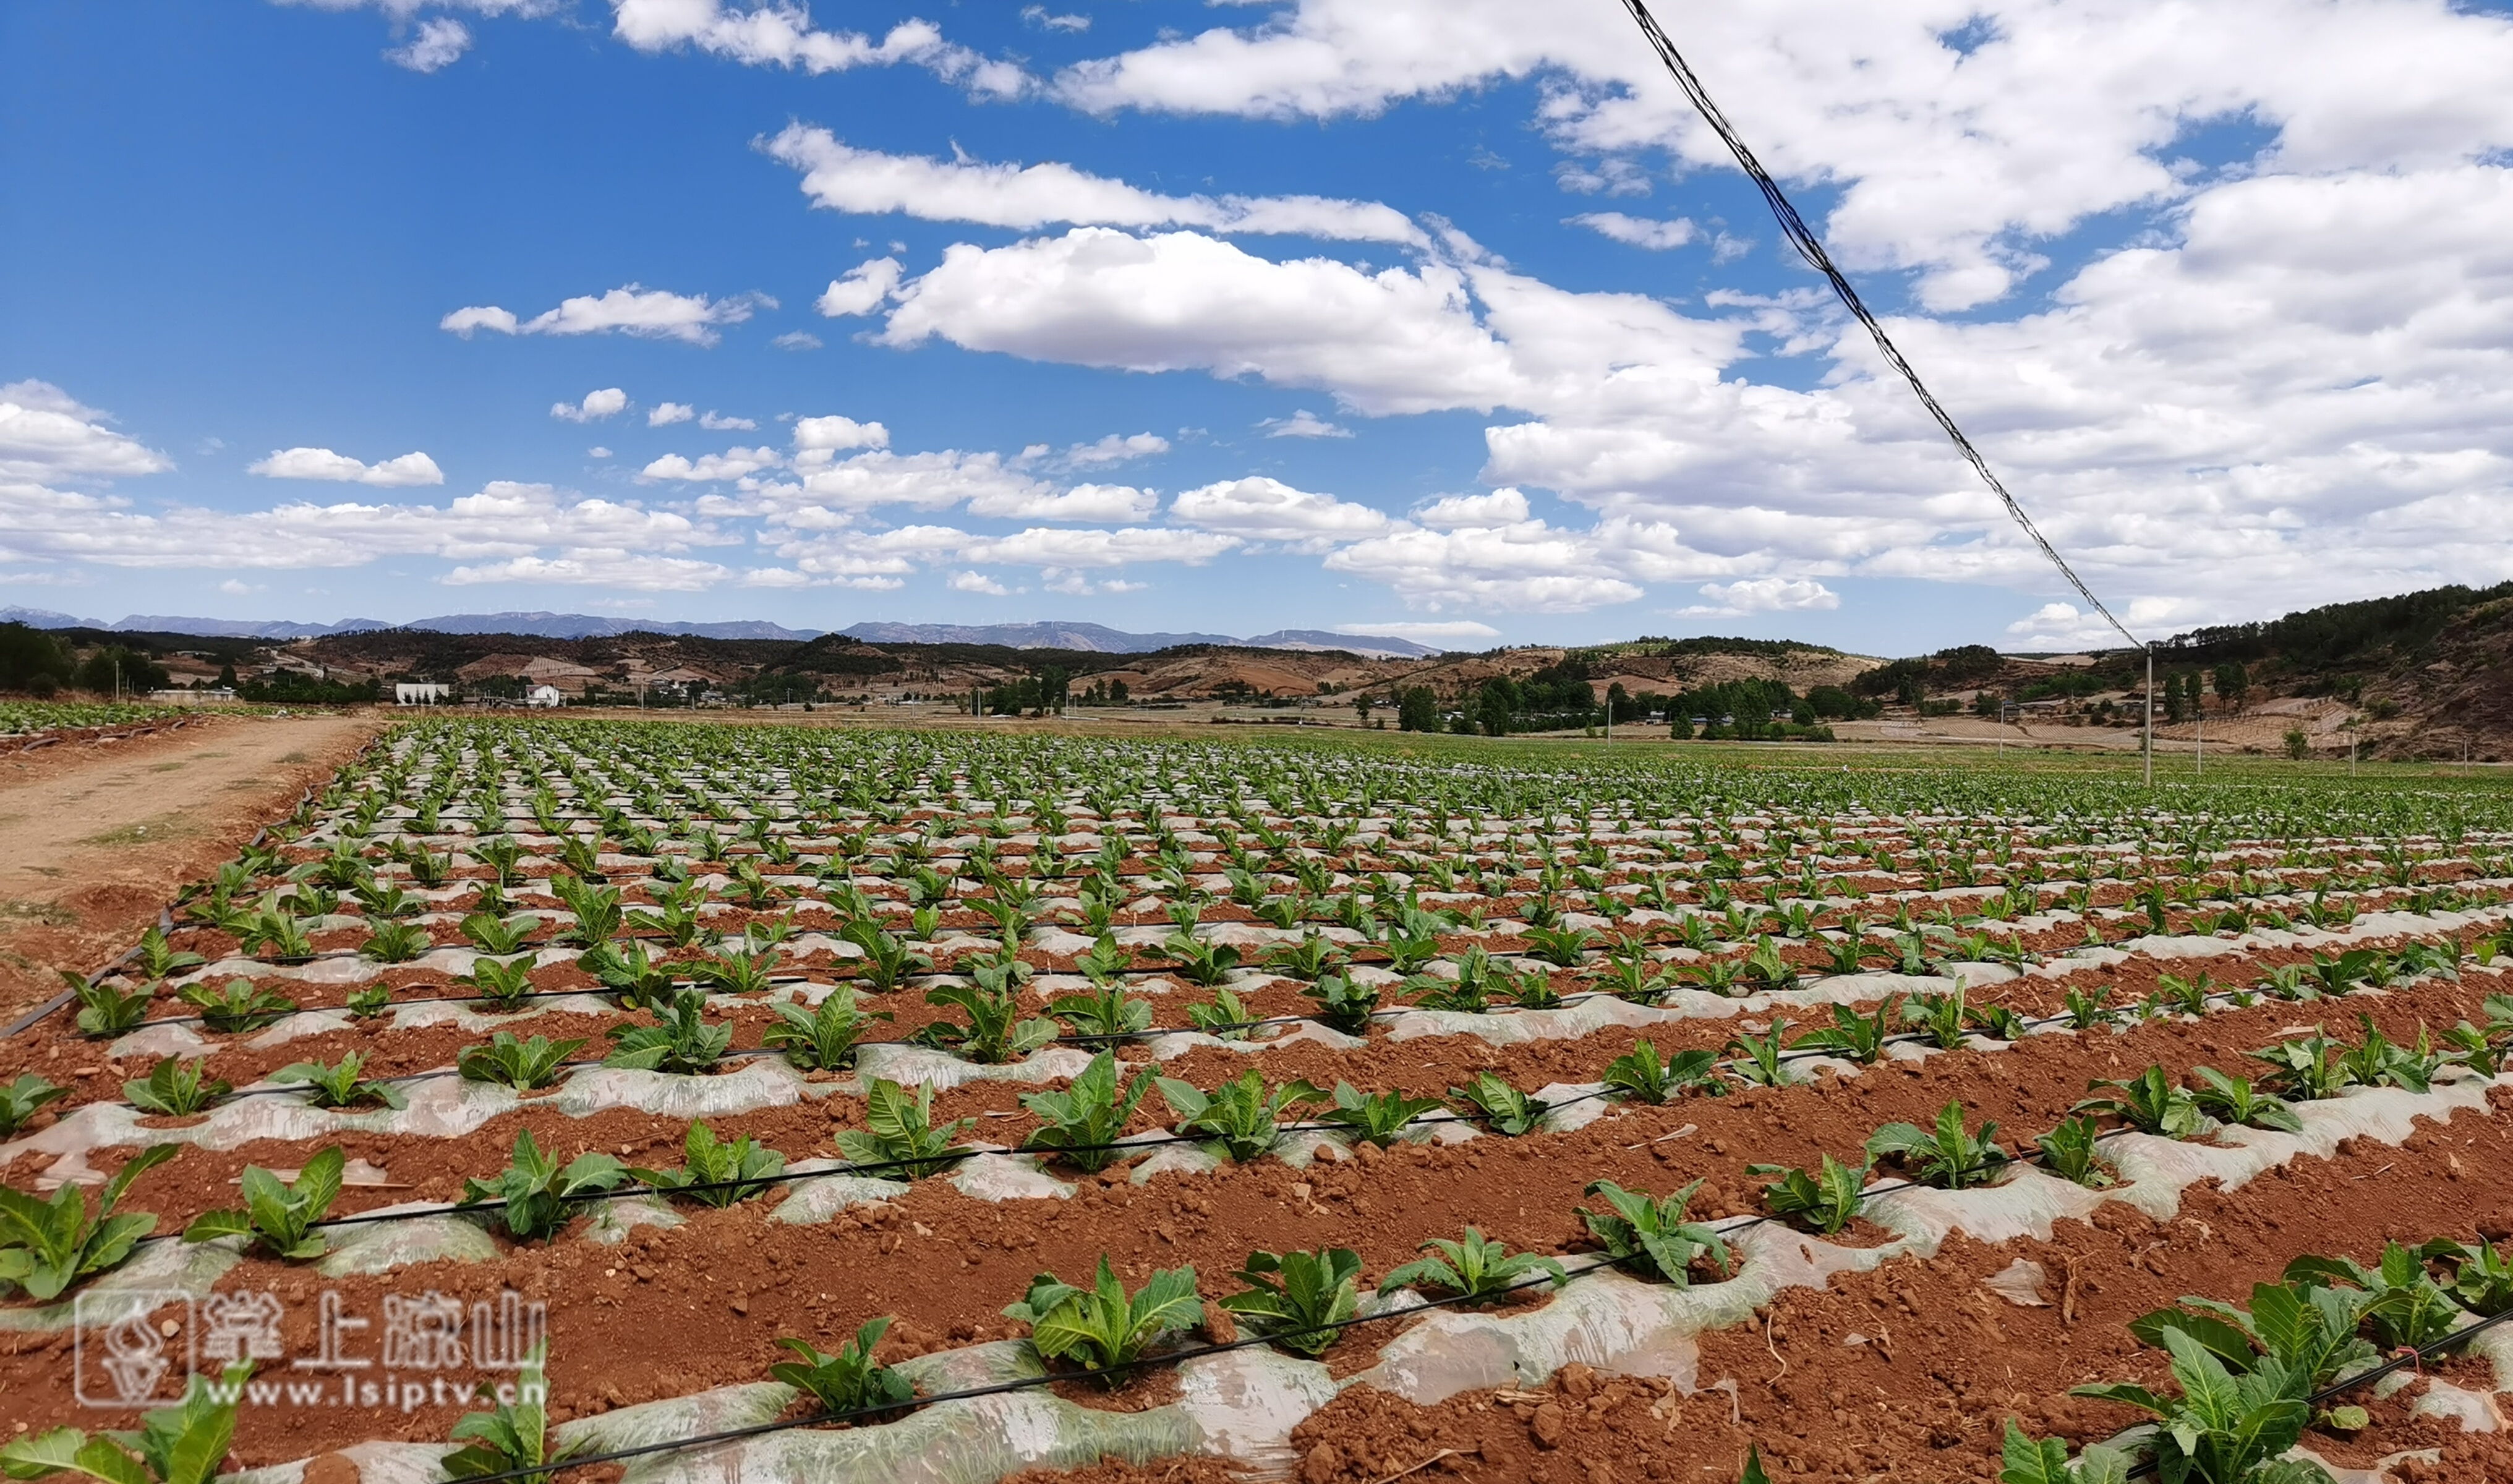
{"x":2233,"y":682}
{"x":1495,"y":702}
{"x":32,"y":659}
{"x":112,"y":663}
{"x":2297,"y":745}
{"x":1418,"y":709}
{"x":2172,"y":707}
{"x":1361,"y":708}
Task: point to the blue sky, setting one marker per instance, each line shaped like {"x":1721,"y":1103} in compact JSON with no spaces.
{"x":2189,"y":291}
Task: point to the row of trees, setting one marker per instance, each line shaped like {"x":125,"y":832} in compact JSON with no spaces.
{"x":35,"y":662}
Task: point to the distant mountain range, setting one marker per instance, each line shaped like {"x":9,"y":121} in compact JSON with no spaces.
{"x":1093,"y":638}
{"x":1098,"y":639}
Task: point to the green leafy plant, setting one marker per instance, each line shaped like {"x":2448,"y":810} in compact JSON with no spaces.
{"x":717,"y":1172}
{"x":2071,"y":1151}
{"x":1107,"y":1013}
{"x":522,"y":1064}
{"x":1309,"y":960}
{"x":1078,"y":1123}
{"x":1101,"y":1328}
{"x":237,"y":1005}
{"x":159,"y":960}
{"x":1240,"y":1118}
{"x":681,"y":1040}
{"x":534,"y":1197}
{"x":1498,"y":1106}
{"x":341,"y":1085}
{"x":2088,"y":1009}
{"x":1765,"y":968}
{"x":1761,"y":1060}
{"x":1378,"y":1118}
{"x":280,"y":1215}
{"x":2024,"y":1461}
{"x":738,"y":971}
{"x":369,"y":1003}
{"x":1647,"y":1236}
{"x":899,"y":1132}
{"x":1826,"y":1201}
{"x":1483,"y":1271}
{"x":2149,"y":1103}
{"x":105,"y":1011}
{"x":2221,"y":1429}
{"x":2479,"y":1276}
{"x":1640,"y":1073}
{"x":1342,"y":1003}
{"x":2308,"y":1328}
{"x":821,"y":1037}
{"x":2307,"y":1067}
{"x":626,"y":969}
{"x":181,"y":1444}
{"x":395,"y":942}
{"x":1222,"y":1017}
{"x":1564,"y":947}
{"x":1299,"y":1299}
{"x":995,"y":1030}
{"x":18,"y":1100}
{"x":2403,"y":1303}
{"x":886,"y":960}
{"x":1532,"y":989}
{"x":1200,"y":962}
{"x":848,"y":1383}
{"x":46,"y":1246}
{"x":1946,"y":1156}
{"x":502,"y":985}
{"x":2233,"y":1101}
{"x":512,"y":1436}
{"x":595,"y":909}
{"x":1859,"y":1038}
{"x":175,"y":1089}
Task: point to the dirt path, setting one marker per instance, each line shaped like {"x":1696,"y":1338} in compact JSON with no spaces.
{"x":96,"y":836}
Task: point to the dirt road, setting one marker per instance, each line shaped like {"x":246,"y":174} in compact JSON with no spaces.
{"x":96,"y":836}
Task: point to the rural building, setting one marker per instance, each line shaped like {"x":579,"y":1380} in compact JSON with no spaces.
{"x":425,"y":693}
{"x":542,"y":696}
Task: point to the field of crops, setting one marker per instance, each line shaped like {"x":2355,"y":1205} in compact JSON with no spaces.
{"x":778,"y":1102}
{"x":18,"y":718}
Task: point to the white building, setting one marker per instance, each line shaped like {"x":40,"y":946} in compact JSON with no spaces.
{"x":542,"y":695}
{"x":420,"y":692}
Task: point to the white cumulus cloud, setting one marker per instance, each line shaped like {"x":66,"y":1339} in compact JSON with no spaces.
{"x":665,"y":414}
{"x":631,"y":309}
{"x":321,"y":464}
{"x":440,"y":42}
{"x":606,"y":402}
{"x":1770,"y":594}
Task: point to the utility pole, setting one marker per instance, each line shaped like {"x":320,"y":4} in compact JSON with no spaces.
{"x":2149,"y":725}
{"x":2201,"y":752}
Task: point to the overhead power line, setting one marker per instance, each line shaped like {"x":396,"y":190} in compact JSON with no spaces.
{"x":1803,"y":239}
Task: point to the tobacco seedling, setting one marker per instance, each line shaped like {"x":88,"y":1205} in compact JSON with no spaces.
{"x":1483,"y":1271}
{"x":2403,"y":1303}
{"x":502,"y":985}
{"x":1761,"y":1060}
{"x":681,"y":1040}
{"x":2189,"y":996}
{"x":1078,"y":1123}
{"x":1100,"y":1327}
{"x":2233,"y":1101}
{"x":1533,"y":989}
{"x":1343,"y":1004}
{"x":2221,"y":1426}
{"x":824,"y":1038}
{"x":1222,"y":1017}
{"x":1765,"y":969}
{"x":1940,"y":1018}
{"x":1299,"y":1299}
{"x":395,"y":942}
{"x":2479,"y":1277}
{"x":2088,"y":1010}
{"x":596,"y":909}
{"x":899,"y":1132}
{"x":175,"y":1089}
{"x":1239,"y":1119}
{"x":1103,"y":960}
{"x":2309,"y":1329}
{"x":2069,"y":1152}
{"x":157,"y":960}
{"x":1563,"y":947}
{"x":737,"y":971}
{"x":235,"y":1005}
{"x":536,"y":1198}
{"x":2024,"y":1461}
{"x":630,"y":972}
{"x":1859,"y":1038}
{"x":848,"y":1381}
{"x":995,"y":1032}
{"x":1109,"y":1013}
{"x":369,"y":1003}
{"x":2149,"y":1103}
{"x":1381,"y":1118}
{"x":2306,"y":1068}
{"x":341,"y":1086}
{"x":517,"y":1063}
{"x":280,"y":1215}
{"x":886,"y":960}
{"x":1999,"y":1023}
{"x":1499,"y":1106}
{"x":716,"y":1172}
{"x":499,"y":935}
{"x":1647,"y":1236}
{"x":175,"y":1445}
{"x":1824,"y":1202}
{"x":512,"y":1436}
{"x":105,"y":1011}
{"x":1640,"y":1073}
{"x":46,"y":1246}
{"x":1200,"y":962}
{"x":1945,"y":1156}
